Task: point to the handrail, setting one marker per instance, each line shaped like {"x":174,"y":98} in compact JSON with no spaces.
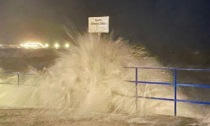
{"x":174,"y":83}
{"x":170,"y":68}
{"x":18,"y":74}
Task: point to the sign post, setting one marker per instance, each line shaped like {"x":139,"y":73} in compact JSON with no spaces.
{"x":98,"y":25}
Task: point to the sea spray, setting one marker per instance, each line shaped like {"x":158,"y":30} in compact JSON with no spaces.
{"x":92,"y":77}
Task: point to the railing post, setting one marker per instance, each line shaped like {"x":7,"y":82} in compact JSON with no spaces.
{"x":175,"y":91}
{"x":136,"y":82}
{"x":18,"y":75}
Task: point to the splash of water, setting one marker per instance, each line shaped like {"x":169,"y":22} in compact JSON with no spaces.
{"x":91,"y":77}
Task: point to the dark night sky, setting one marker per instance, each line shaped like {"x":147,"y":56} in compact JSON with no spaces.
{"x":154,"y":23}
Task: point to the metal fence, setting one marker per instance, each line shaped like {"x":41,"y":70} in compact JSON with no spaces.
{"x":17,"y":76}
{"x":174,"y":83}
{"x":13,"y":78}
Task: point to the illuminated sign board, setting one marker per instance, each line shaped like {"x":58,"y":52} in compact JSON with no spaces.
{"x":98,"y":24}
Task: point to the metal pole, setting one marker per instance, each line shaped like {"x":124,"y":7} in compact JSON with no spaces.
{"x":18,"y":78}
{"x":136,"y":82}
{"x":99,"y":37}
{"x":175,"y":91}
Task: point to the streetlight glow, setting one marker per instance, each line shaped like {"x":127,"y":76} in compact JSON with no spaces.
{"x":67,"y":45}
{"x":56,"y":45}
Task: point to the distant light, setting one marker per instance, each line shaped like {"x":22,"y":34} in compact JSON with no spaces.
{"x":57,"y":45}
{"x":67,"y":45}
{"x":46,"y":45}
{"x":32,"y":45}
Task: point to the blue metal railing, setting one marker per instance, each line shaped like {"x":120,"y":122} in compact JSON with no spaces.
{"x":174,"y":84}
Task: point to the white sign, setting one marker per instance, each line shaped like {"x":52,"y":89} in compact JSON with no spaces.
{"x":98,"y":24}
